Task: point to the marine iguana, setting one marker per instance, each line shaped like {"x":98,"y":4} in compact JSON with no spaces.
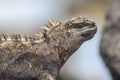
{"x":41,"y":57}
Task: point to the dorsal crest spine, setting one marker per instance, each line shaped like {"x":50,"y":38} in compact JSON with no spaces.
{"x":46,"y":29}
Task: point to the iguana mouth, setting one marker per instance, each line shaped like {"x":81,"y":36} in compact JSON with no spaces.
{"x":89,"y":31}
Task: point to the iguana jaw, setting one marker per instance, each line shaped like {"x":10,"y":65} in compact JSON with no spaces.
{"x":89,"y":32}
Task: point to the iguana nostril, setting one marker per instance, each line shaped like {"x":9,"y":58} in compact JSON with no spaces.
{"x":93,"y":24}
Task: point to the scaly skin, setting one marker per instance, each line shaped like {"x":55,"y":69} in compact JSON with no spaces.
{"x":41,"y":57}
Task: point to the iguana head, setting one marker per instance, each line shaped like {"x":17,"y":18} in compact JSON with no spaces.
{"x":68,"y":35}
{"x":78,"y":29}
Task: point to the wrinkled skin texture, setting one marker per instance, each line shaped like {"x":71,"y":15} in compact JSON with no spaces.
{"x":41,"y":59}
{"x":110,"y":43}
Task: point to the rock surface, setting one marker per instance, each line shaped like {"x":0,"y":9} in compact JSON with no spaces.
{"x":110,"y":43}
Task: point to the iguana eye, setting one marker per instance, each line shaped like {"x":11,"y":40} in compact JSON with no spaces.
{"x":76,"y":25}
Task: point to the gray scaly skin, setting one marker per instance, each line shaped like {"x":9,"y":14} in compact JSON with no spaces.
{"x":42,"y":56}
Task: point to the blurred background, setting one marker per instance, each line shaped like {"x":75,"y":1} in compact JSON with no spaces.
{"x":26,"y":17}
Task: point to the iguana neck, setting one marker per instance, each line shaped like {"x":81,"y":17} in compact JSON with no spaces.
{"x":62,"y":50}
